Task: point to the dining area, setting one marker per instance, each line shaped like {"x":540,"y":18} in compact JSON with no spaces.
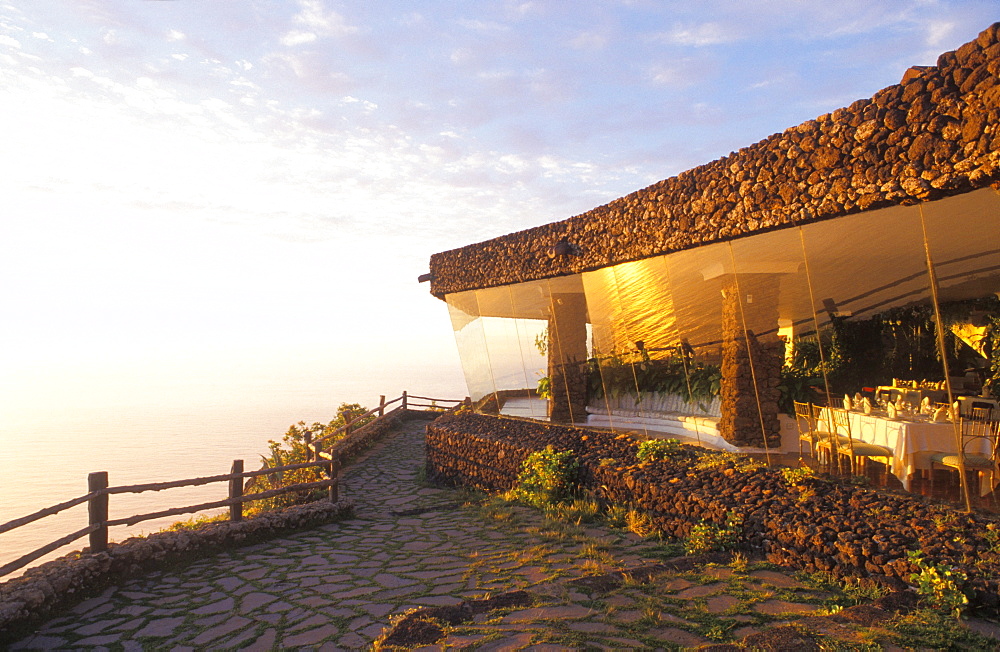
{"x":899,"y":437}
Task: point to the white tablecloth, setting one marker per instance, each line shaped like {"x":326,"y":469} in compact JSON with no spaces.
{"x":911,"y":441}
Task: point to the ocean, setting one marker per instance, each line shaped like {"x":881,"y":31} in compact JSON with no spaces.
{"x":49,"y":456}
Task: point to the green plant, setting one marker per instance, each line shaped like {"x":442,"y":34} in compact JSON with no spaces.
{"x":615,"y":515}
{"x":992,"y":536}
{"x":292,"y":449}
{"x":547,"y":476}
{"x":709,"y":537}
{"x":195,"y":522}
{"x":927,"y":629}
{"x":939,"y":584}
{"x":796,"y":385}
{"x":634,"y":373}
{"x":545,"y":387}
{"x":797,"y":477}
{"x":722,"y":459}
{"x":578,"y":511}
{"x":653,"y":450}
{"x":739,"y":562}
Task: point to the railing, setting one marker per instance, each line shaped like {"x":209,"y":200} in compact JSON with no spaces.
{"x":406,"y":402}
{"x":98,"y":491}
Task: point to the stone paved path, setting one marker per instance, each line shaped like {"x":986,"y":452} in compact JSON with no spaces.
{"x":410,"y":546}
{"x":334,"y":587}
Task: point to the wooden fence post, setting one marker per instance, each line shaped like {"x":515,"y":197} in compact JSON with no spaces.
{"x":333,"y":471}
{"x":97,"y":508}
{"x":312,"y":454}
{"x":404,"y":399}
{"x":347,"y":424}
{"x":236,"y":491}
{"x":381,"y":405}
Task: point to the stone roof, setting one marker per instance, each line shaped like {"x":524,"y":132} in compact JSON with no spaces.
{"x":935,"y":134}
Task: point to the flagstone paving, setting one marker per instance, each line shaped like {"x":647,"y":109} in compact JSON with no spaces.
{"x":335,"y":587}
{"x":411,"y":546}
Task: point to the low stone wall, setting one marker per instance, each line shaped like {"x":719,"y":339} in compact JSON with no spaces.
{"x":58,"y":584}
{"x":367,"y":435}
{"x":847,"y":530}
{"x":935,"y":134}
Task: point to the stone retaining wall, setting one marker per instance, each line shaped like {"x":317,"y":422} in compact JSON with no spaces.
{"x":935,"y":134}
{"x":820,"y":525}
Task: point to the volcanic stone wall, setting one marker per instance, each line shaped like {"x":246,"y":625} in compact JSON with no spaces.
{"x":936,"y":133}
{"x":819,"y":525}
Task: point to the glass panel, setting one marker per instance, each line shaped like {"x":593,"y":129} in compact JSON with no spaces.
{"x":614,"y":389}
{"x":503,"y":348}
{"x":963,"y":251}
{"x":568,"y":348}
{"x":470,"y":337}
{"x":870,"y":286}
{"x":769,"y":290}
{"x":963,"y":235}
{"x":873,"y":303}
{"x":697,"y":278}
{"x":530,"y":306}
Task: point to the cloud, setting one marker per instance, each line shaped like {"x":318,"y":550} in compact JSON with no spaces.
{"x":680,"y":72}
{"x":482,"y":25}
{"x":589,"y":41}
{"x":327,"y":23}
{"x":174,"y":35}
{"x":698,"y":35}
{"x":296,"y":37}
{"x":10,"y":42}
{"x":938,"y":31}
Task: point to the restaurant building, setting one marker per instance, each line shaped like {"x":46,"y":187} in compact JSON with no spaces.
{"x":856,"y":251}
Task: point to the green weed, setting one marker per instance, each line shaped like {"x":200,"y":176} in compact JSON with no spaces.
{"x":709,"y":537}
{"x":653,"y":450}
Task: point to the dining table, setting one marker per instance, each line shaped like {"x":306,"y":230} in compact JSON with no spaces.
{"x":911,"y":438}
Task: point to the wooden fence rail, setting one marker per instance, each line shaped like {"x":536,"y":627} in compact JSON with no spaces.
{"x":99,"y":491}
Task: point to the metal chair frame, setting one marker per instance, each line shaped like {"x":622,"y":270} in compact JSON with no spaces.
{"x":806,"y":420}
{"x":977,"y":427}
{"x":846,"y":444}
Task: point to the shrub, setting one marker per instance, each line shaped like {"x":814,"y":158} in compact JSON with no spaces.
{"x":547,"y":476}
{"x":709,"y":537}
{"x":653,"y":450}
{"x":292,"y":449}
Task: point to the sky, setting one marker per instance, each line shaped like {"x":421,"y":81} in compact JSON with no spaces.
{"x":242,"y":193}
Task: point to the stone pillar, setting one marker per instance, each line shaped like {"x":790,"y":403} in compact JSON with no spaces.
{"x":748,"y":413}
{"x":567,"y":365}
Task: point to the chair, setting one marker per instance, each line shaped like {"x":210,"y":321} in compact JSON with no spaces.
{"x":854,"y":449}
{"x":966,"y":405}
{"x":806,"y":423}
{"x":979,"y":433}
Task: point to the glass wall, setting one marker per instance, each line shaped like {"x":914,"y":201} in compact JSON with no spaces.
{"x":713,"y":344}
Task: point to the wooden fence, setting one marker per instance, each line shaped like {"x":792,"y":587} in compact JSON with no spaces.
{"x":98,"y":491}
